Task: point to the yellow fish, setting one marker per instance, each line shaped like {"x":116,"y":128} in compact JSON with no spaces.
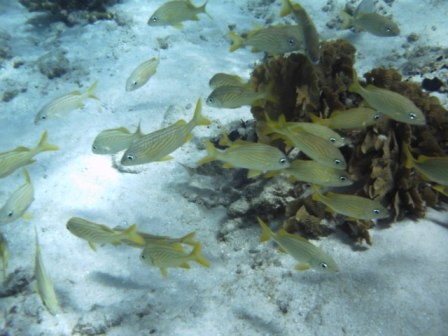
{"x":310,"y":36}
{"x":4,"y":254}
{"x":307,"y":254}
{"x":236,"y":96}
{"x":112,"y":141}
{"x":433,"y":168}
{"x":165,"y":255}
{"x":45,"y":287}
{"x":223,"y":79}
{"x":273,"y":40}
{"x":354,"y":118}
{"x":65,"y":104}
{"x":157,"y":146}
{"x":18,"y":202}
{"x":150,"y":238}
{"x":257,"y":157}
{"x":21,"y":156}
{"x":351,"y":206}
{"x":172,"y":13}
{"x":320,"y":130}
{"x":101,"y":234}
{"x":389,"y":103}
{"x":141,"y":74}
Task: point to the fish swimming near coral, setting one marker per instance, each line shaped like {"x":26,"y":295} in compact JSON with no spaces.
{"x":21,"y":156}
{"x":172,"y":13}
{"x":141,"y":74}
{"x":4,"y":255}
{"x":18,"y":202}
{"x":101,"y":234}
{"x":157,"y":146}
{"x":320,"y":130}
{"x":233,"y":96}
{"x":112,"y":141}
{"x":351,"y":119}
{"x":165,"y":255}
{"x":365,"y":18}
{"x":65,"y":104}
{"x":308,"y":255}
{"x":150,"y":238}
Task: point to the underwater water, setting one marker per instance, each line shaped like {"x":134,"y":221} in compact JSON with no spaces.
{"x":394,"y":286}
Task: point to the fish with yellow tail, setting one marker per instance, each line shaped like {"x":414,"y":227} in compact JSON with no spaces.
{"x":141,"y":74}
{"x":18,"y":202}
{"x":95,"y":233}
{"x":308,"y":255}
{"x":309,"y":33}
{"x":365,"y":18}
{"x":22,"y":156}
{"x":352,"y":206}
{"x":44,"y":286}
{"x":165,"y":255}
{"x":235,"y":96}
{"x":4,"y":255}
{"x":62,"y":105}
{"x":157,"y":146}
{"x":112,"y":141}
{"x":391,"y":104}
{"x":351,"y":119}
{"x":172,"y":13}
{"x":433,"y":168}
{"x":150,"y":238}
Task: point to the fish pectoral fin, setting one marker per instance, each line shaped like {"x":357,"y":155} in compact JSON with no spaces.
{"x":185,"y":265}
{"x":164,"y":272}
{"x":253,"y":173}
{"x":27,"y":216}
{"x":166,"y":158}
{"x":302,"y":267}
{"x":227,"y":165}
{"x":92,"y":246}
{"x":178,"y":25}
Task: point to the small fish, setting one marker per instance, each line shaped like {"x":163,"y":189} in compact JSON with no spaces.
{"x":236,"y":96}
{"x":4,"y":255}
{"x":307,"y":254}
{"x":321,"y":131}
{"x":65,"y":104}
{"x":165,"y":255}
{"x":351,"y":205}
{"x":150,"y":238}
{"x":112,"y":141}
{"x":18,"y":202}
{"x":365,"y":18}
{"x":433,"y":168}
{"x":389,"y":103}
{"x":45,"y":287}
{"x":101,"y":234}
{"x":223,"y":79}
{"x":172,"y":13}
{"x":354,"y":118}
{"x":141,"y":74}
{"x":274,"y":40}
{"x":257,"y":157}
{"x":310,"y":36}
{"x":21,"y":156}
{"x":317,"y":148}
{"x":157,"y":146}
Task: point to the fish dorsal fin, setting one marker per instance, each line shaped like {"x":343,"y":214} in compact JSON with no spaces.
{"x":21,"y":149}
{"x":282,"y":233}
{"x":180,"y":122}
{"x":365,"y":7}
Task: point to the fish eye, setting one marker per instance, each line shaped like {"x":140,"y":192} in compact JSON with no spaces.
{"x":130,"y":157}
{"x":282,"y":161}
{"x":388,"y":29}
{"x":142,"y":256}
{"x":376,"y":117}
{"x":134,"y":83}
{"x":43,"y":116}
{"x":210,"y":100}
{"x":93,"y":147}
{"x":154,"y":19}
{"x":412,"y":116}
{"x":337,"y":161}
{"x":333,"y":140}
{"x":323,"y":265}
{"x":291,"y":42}
{"x":10,"y":213}
{"x":342,"y":178}
{"x":376,"y":211}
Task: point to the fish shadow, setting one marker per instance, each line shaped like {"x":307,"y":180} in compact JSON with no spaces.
{"x":108,"y":280}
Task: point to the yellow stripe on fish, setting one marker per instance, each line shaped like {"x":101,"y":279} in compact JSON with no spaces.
{"x":112,"y":141}
{"x":141,"y":74}
{"x":157,"y":146}
{"x":21,"y":156}
{"x":320,"y":130}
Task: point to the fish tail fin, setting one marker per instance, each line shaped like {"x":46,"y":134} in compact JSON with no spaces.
{"x":133,"y":236}
{"x":198,"y":257}
{"x":237,"y":41}
{"x":198,"y":118}
{"x":266,"y":234}
{"x":90,"y":93}
{"x":315,"y":193}
{"x":43,"y":145}
{"x":347,"y":19}
{"x":320,"y":121}
{"x":271,"y":125}
{"x":188,"y":238}
{"x":225,"y":141}
{"x":202,"y":9}
{"x":409,"y":163}
{"x":355,"y":86}
{"x":211,"y":153}
{"x":287,"y":8}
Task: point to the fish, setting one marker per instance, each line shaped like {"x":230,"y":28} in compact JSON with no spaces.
{"x":274,"y":40}
{"x":18,"y":202}
{"x":157,"y":146}
{"x":257,"y":157}
{"x":310,"y":36}
{"x":64,"y":104}
{"x":164,"y":255}
{"x":21,"y":156}
{"x":150,"y":238}
{"x":142,"y":73}
{"x":350,"y":119}
{"x":433,"y":168}
{"x":308,"y":255}
{"x":352,"y":206}
{"x":112,"y":141}
{"x":224,"y":79}
{"x":315,"y":147}
{"x":4,"y":255}
{"x":172,"y":13}
{"x":321,"y":131}
{"x":389,"y":103}
{"x":313,"y":172}
{"x":44,"y":286}
{"x":365,"y":18}
{"x":101,"y":234}
{"x":232,"y":96}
